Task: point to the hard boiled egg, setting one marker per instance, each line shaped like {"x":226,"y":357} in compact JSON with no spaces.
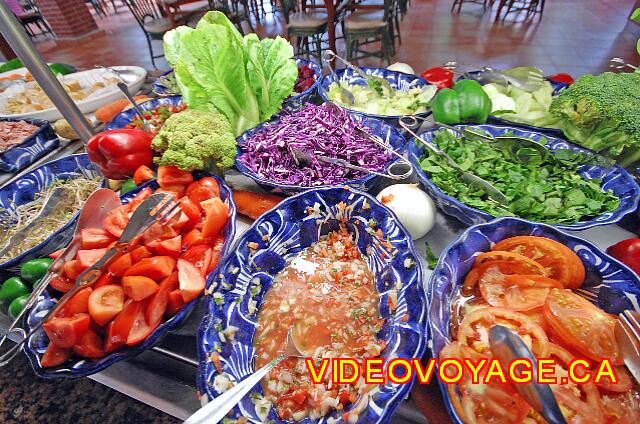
{"x":413,"y":207}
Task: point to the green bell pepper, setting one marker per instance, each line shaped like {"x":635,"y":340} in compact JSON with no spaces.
{"x":465,"y":103}
{"x":34,"y":269}
{"x":128,"y":186}
{"x":17,"y":305}
{"x":12,"y":288}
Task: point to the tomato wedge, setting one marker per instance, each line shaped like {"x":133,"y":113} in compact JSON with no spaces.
{"x":143,"y":174}
{"x":581,"y":325}
{"x":117,"y":219}
{"x":170,"y":247}
{"x":78,"y":304}
{"x":139,"y":288}
{"x":140,"y":329}
{"x":175,"y":302}
{"x":55,"y":356}
{"x":72,"y":269}
{"x":191,"y":209}
{"x":493,"y":269}
{"x":137,"y":200}
{"x":621,"y":408}
{"x":105,"y":303}
{"x":516,"y":292}
{"x":171,"y":176}
{"x":105,"y":279}
{"x":562,"y":263}
{"x":191,"y":280}
{"x":118,"y":329}
{"x":156,"y":267}
{"x":61,"y":283}
{"x":203,"y":189}
{"x":625,"y":383}
{"x":95,"y":238}
{"x":65,"y":332}
{"x":87,"y":258}
{"x":158,"y":303}
{"x":193,"y":238}
{"x":474,"y":330}
{"x":90,"y":346}
{"x":200,"y":257}
{"x":218,"y":244}
{"x":120,"y":266}
{"x":140,"y":253}
{"x":216,"y":216}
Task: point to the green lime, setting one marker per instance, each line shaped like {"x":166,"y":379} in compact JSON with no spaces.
{"x":34,"y":269}
{"x":128,"y":186}
{"x":17,"y":305}
{"x":12,"y":288}
{"x":62,"y":68}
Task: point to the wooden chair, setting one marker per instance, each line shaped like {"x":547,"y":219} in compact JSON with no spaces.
{"x":396,"y":14}
{"x":484,"y":3}
{"x":28,"y":16}
{"x":308,"y":26}
{"x":235,"y":10}
{"x":530,"y":6}
{"x":151,"y":21}
{"x":367,"y":25}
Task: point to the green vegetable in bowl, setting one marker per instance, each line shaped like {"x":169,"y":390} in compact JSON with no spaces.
{"x":602,"y":113}
{"x":128,"y":186}
{"x":31,"y":271}
{"x":539,"y":188}
{"x":379,"y":101}
{"x":17,"y":305}
{"x":194,"y":139}
{"x":465,"y":102}
{"x":12,"y":288}
{"x":516,"y":105}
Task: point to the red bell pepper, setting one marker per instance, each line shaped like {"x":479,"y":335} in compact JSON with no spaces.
{"x":440,"y":77}
{"x":120,"y":152}
{"x":562,"y":77}
{"x":628,"y":252}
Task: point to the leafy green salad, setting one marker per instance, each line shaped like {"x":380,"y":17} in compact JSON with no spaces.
{"x":379,"y":100}
{"x":540,"y":188}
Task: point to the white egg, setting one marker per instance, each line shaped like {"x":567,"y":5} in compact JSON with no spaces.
{"x":413,"y":207}
{"x":401,"y":67}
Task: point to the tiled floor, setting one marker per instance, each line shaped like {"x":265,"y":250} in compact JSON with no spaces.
{"x":576,"y":36}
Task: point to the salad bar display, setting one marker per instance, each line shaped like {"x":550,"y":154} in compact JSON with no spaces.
{"x":247,"y":221}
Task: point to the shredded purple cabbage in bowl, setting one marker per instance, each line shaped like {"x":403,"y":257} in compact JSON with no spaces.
{"x":265,"y":152}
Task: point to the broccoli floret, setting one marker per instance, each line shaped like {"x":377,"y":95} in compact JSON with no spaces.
{"x":194,"y":139}
{"x":602,"y":113}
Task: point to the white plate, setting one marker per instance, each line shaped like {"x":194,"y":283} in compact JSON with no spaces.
{"x":133,"y":76}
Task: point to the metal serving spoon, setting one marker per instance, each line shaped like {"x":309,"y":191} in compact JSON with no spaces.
{"x":145,"y":122}
{"x":371,"y":80}
{"x":507,"y":346}
{"x":218,"y":408}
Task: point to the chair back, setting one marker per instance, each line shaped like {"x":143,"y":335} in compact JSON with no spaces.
{"x":15,"y":7}
{"x":143,"y":10}
{"x":288,"y":7}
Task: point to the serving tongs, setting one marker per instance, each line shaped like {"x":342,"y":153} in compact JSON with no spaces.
{"x":95,"y":209}
{"x":145,"y":122}
{"x":371,"y":80}
{"x":346,"y":96}
{"x":157,"y":207}
{"x":407,"y":122}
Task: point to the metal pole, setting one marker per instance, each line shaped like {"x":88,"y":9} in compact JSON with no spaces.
{"x":27,"y":52}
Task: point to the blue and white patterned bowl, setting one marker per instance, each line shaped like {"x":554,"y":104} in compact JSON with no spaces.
{"x":289,"y":229}
{"x":24,"y":189}
{"x":124,"y":118}
{"x":159,"y":88}
{"x":614,"y":178}
{"x":614,"y":284}
{"x":32,"y":148}
{"x":81,"y":367}
{"x":398,"y":81}
{"x":379,"y":128}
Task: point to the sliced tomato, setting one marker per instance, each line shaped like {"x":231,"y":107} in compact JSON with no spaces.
{"x":158,"y":303}
{"x":562,"y":263}
{"x":158,"y":231}
{"x":171,"y":176}
{"x":138,"y":199}
{"x":191,"y":209}
{"x":121,"y":265}
{"x":105,"y":303}
{"x":87,"y":258}
{"x":176,"y":303}
{"x":78,"y":304}
{"x":140,"y":253}
{"x":516,"y":292}
{"x":179,"y":221}
{"x":200,"y":257}
{"x":139,"y":288}
{"x":216,"y":216}
{"x":61,"y":283}
{"x":203,"y":189}
{"x":218,"y":244}
{"x":55,"y":356}
{"x":474,"y":330}
{"x":488,"y":403}
{"x":492,"y":269}
{"x":581,"y":325}
{"x":623,"y":384}
{"x":72,"y":269}
{"x":193,"y":238}
{"x":90,"y":346}
{"x":105,"y":279}
{"x":537,"y":316}
{"x":622,"y":408}
{"x":117,"y":219}
{"x":499,"y":255}
{"x":191,"y":280}
{"x":156,"y":267}
{"x":95,"y":238}
{"x":170,"y":247}
{"x":140,"y":329}
{"x":65,"y":332}
{"x":143,"y":174}
{"x":118,"y":329}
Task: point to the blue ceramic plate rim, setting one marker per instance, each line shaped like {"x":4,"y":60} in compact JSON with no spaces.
{"x":125,"y":117}
{"x":87,"y":366}
{"x":362,"y":118}
{"x":394,"y":402}
{"x":326,"y":81}
{"x":81,"y":157}
{"x":545,"y":229}
{"x":49,"y":142}
{"x":466,"y":210}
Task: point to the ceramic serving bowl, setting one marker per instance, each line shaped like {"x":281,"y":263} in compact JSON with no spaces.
{"x":398,"y":81}
{"x":613,"y":178}
{"x":32,"y":148}
{"x":124,"y":118}
{"x":376,"y":127}
{"x":24,"y":189}
{"x":614,"y":284}
{"x":289,"y":228}
{"x":80,"y":367}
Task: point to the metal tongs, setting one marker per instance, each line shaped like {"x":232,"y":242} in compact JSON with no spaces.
{"x":157,"y":207}
{"x":371,"y":80}
{"x":407,"y":122}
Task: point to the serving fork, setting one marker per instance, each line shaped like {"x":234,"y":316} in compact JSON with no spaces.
{"x":627,"y":333}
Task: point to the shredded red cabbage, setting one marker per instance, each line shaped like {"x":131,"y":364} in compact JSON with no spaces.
{"x":316,"y":130}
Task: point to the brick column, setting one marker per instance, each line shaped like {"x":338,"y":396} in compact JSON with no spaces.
{"x":68,"y":18}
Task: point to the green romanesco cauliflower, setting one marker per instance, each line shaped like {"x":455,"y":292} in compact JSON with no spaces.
{"x":195,"y":139}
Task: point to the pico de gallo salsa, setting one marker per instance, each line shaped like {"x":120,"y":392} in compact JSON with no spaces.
{"x":155,"y":117}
